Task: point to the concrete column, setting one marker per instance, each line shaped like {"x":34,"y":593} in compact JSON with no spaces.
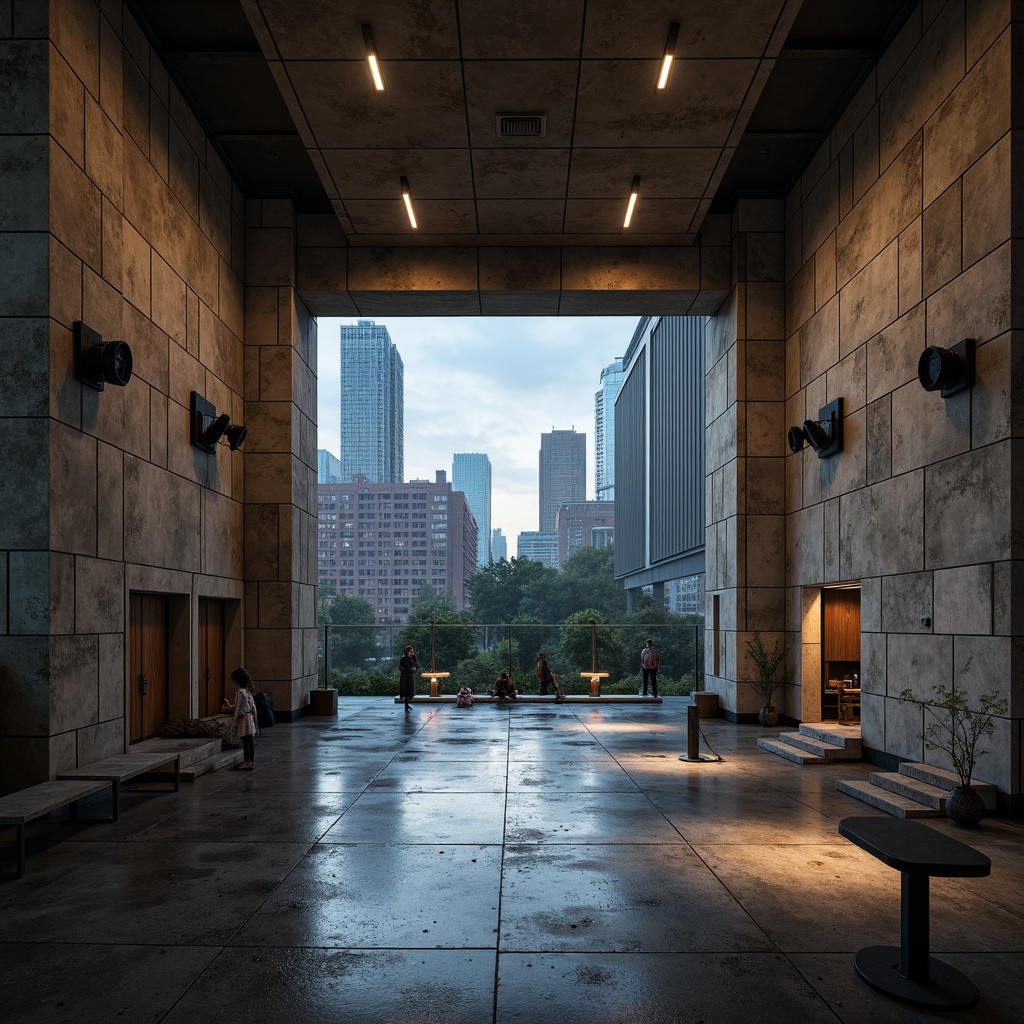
{"x":658,"y":592}
{"x":280,"y":463}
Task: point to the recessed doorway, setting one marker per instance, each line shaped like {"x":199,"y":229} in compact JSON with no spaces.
{"x":840,"y":654}
{"x":148,"y":658}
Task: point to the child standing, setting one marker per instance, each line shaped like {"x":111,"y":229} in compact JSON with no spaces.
{"x":243,"y":722}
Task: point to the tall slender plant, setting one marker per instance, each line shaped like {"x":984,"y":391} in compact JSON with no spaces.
{"x":957,"y":728}
{"x":769,"y":664}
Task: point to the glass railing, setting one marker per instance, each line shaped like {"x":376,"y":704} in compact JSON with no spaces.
{"x":363,"y":660}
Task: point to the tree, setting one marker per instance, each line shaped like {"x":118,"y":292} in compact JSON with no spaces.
{"x":497,"y":590}
{"x":352,"y":629}
{"x":587,"y":580}
{"x":580,"y":631}
{"x":454,"y":635}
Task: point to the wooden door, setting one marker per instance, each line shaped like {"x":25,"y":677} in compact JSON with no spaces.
{"x":211,"y":656}
{"x":841,"y":609}
{"x":148,"y":681}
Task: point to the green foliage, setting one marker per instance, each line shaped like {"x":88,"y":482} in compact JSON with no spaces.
{"x":352,"y":631}
{"x":497,"y":590}
{"x":368,"y":683}
{"x":478,"y":672}
{"x":587,"y":580}
{"x":583,"y":633}
{"x":454,"y":635}
{"x":957,"y":728}
{"x":769,"y":665}
{"x":667,"y":687}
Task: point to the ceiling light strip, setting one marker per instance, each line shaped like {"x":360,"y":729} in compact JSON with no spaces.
{"x":669,"y":55}
{"x":371,"y":56}
{"x":407,"y":199}
{"x":634,"y":191}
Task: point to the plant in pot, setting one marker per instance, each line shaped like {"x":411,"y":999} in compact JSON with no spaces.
{"x":769,"y":665}
{"x":957,"y":729}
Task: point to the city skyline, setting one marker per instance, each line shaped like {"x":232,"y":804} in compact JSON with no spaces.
{"x":491,"y":384}
{"x":471,"y":474}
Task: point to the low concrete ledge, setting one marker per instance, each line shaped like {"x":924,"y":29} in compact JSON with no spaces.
{"x":536,"y":698}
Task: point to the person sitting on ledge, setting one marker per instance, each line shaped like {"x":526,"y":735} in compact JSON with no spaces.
{"x":504,"y":688}
{"x":464,"y":698}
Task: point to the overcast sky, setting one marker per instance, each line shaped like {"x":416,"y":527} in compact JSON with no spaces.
{"x":487,"y":384}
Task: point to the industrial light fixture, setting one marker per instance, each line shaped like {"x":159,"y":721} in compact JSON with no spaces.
{"x":669,"y":55}
{"x":371,"y":56}
{"x":407,"y":199}
{"x":207,"y":428}
{"x":824,"y":435}
{"x":947,"y":370}
{"x":634,"y":191}
{"x":99,"y":362}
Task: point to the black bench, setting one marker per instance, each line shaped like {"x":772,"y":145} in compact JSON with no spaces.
{"x":122,"y":768}
{"x":918,"y":852}
{"x":27,"y":805}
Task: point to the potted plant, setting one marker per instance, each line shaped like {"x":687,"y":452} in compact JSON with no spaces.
{"x":769,"y":665}
{"x":957,"y":729}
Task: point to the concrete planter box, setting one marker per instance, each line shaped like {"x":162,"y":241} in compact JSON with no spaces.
{"x":706,"y":703}
{"x":323,"y":702}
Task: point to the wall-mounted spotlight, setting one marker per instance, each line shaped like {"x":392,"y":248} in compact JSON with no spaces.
{"x":372,"y":59}
{"x":947,"y":370}
{"x":824,"y":435}
{"x":407,"y":199}
{"x":207,"y":428}
{"x":669,"y":55}
{"x":634,"y":192}
{"x":99,"y":362}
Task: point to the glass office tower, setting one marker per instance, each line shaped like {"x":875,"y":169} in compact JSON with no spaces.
{"x":471,"y":474}
{"x":604,"y":430}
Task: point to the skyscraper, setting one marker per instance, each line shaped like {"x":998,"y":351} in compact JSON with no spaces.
{"x":471,"y":474}
{"x":604,"y":430}
{"x":328,"y":467}
{"x":372,"y":404}
{"x":499,"y":545}
{"x":563,"y":473}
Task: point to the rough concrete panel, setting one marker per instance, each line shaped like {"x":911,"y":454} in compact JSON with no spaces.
{"x":219,"y":350}
{"x":848,"y":380}
{"x":183,"y":168}
{"x":873,"y":665}
{"x":96,"y":742}
{"x":838,"y":474}
{"x":222,"y":536}
{"x":911,"y":285}
{"x":888,"y":208}
{"x":67,"y":110}
{"x":23,"y":178}
{"x":99,"y":596}
{"x":893,"y":354}
{"x":927,"y":428}
{"x":805,"y":546}
{"x":24,"y":686}
{"x":869,"y":302}
{"x":103,"y":161}
{"x":878,"y":464}
{"x":111,"y":59}
{"x":819,"y":342}
{"x":941,"y":239}
{"x":24,"y":367}
{"x":74,"y":208}
{"x":74,"y":698}
{"x":882,"y":528}
{"x":766,"y":318}
{"x":161,"y":517}
{"x":904,"y":724}
{"x":865,"y":155}
{"x":102,"y":305}
{"x":800,"y":305}
{"x":119,"y":416}
{"x":927,"y":77}
{"x":766,"y":431}
{"x":110,"y":502}
{"x":985,"y":22}
{"x":111,"y":675}
{"x":112,"y":253}
{"x":137,"y":272}
{"x":956,"y":533}
{"x":982,"y":664}
{"x":919,"y":663}
{"x":28,"y":578}
{"x":906,"y":600}
{"x":274,"y":651}
{"x":24,"y":261}
{"x":278,"y":605}
{"x":24,"y":111}
{"x":987,"y":191}
{"x":273,"y":427}
{"x":825,"y":272}
{"x":871,"y":604}
{"x":973,"y":118}
{"x":765,"y":486}
{"x":75,"y":31}
{"x":270,"y":257}
{"x":72,"y":504}
{"x":999,"y":376}
{"x":261,"y":542}
{"x":821,"y":209}
{"x":964,"y":600}
{"x":766,"y":536}
{"x":168,"y":297}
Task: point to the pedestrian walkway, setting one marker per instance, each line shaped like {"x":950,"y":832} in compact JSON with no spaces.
{"x":487,"y":866}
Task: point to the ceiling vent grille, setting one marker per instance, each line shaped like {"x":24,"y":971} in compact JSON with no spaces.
{"x":522,"y":126}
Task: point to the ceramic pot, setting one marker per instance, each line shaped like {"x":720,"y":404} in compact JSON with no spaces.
{"x":964,"y":806}
{"x":768,"y":716}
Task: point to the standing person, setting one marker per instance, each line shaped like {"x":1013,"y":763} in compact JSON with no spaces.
{"x":243,"y":722}
{"x":650,"y":660}
{"x":543,"y":673}
{"x":408,"y":666}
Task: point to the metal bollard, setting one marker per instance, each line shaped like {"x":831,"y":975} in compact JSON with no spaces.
{"x":692,"y":733}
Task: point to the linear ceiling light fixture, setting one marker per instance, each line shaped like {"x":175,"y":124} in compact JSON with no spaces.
{"x":407,"y":199}
{"x":371,"y":56}
{"x":670,"y":54}
{"x":634,"y":191}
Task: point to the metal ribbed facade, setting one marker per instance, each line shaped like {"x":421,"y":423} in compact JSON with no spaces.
{"x":631,"y":470}
{"x":677,"y":436}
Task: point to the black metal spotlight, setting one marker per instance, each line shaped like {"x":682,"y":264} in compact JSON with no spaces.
{"x":99,"y":362}
{"x":825,"y":434}
{"x":796,"y":438}
{"x":235,"y":435}
{"x":947,"y":370}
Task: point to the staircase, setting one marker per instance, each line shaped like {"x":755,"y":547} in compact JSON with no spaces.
{"x":915,"y":791}
{"x":199,"y":755}
{"x":816,"y":744}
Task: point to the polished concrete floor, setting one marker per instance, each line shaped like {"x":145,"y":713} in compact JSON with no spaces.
{"x":498,"y":864}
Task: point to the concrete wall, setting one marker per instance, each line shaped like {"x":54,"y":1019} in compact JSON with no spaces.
{"x":116,"y":210}
{"x":904,"y":231}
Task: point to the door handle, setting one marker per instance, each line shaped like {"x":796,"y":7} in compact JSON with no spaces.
{"x":208,"y":674}
{"x":143,"y":681}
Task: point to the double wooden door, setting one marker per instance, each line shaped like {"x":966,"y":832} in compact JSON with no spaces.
{"x":148,"y":635}
{"x":211,"y":656}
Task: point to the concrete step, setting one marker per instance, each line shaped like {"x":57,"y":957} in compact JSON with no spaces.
{"x":845,"y":736}
{"x":824,"y":749}
{"x":222,"y":759}
{"x":912,"y":789}
{"x":946,"y":780}
{"x":891,"y":803}
{"x":790,"y":753}
{"x":191,"y":748}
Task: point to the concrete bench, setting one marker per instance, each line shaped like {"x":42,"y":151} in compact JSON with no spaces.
{"x":37,"y":801}
{"x":918,"y":852}
{"x":122,"y":768}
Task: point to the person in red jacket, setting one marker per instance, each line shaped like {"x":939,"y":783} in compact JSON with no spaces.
{"x":650,"y":660}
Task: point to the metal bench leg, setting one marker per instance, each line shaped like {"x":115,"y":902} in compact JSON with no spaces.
{"x":177,"y":774}
{"x":21,"y":851}
{"x":914,"y":937}
{"x":115,"y":795}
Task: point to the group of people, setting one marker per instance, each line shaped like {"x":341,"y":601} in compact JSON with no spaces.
{"x":504,"y":689}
